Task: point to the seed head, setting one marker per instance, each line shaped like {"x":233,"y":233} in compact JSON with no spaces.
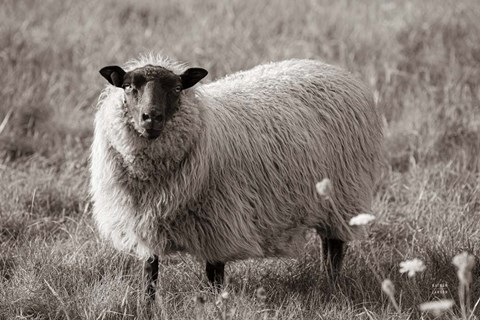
{"x":199,"y":299}
{"x":464,"y":263}
{"x":388,"y":287}
{"x":436,"y":307}
{"x":261,"y":294}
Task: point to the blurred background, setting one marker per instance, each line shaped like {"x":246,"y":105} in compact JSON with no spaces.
{"x":420,"y":58}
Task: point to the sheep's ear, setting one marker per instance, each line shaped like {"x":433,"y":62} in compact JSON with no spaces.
{"x":114,"y":75}
{"x":191,"y":76}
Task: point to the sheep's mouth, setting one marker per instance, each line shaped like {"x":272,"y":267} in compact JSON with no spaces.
{"x":151,"y":134}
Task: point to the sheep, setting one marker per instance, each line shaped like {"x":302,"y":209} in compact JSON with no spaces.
{"x":226,"y":170}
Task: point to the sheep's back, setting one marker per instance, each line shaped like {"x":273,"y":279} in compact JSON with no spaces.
{"x":278,"y":129}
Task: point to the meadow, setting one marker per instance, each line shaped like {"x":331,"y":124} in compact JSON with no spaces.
{"x":422,"y":61}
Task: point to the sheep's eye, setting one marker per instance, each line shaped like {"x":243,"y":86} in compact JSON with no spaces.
{"x":128,"y":88}
{"x":178,"y":89}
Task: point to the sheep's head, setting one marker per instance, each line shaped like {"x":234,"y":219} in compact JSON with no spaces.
{"x":152,"y":94}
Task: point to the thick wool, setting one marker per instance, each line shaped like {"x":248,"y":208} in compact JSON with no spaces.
{"x":233,"y":174}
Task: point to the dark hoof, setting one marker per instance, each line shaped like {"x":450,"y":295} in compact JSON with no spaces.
{"x":151,"y":270}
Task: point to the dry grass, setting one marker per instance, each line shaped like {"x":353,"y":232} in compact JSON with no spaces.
{"x":422,"y":60}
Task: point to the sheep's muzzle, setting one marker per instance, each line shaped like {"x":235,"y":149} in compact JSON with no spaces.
{"x":152,"y":134}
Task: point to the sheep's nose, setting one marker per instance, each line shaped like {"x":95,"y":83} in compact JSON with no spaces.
{"x":150,"y":120}
{"x":146,"y":118}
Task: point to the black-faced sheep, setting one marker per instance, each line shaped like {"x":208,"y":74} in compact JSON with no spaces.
{"x":227,"y":170}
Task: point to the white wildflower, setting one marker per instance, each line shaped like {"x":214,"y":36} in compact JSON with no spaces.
{"x":361,"y":219}
{"x":412,"y":266}
{"x":436,"y":307}
{"x":324,"y":187}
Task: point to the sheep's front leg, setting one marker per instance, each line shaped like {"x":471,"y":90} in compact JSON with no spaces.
{"x":151,"y":270}
{"x":216,"y":274}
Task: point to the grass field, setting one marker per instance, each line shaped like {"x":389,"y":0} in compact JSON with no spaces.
{"x":421,"y":59}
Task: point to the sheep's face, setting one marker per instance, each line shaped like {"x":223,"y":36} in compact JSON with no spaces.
{"x":152,"y":94}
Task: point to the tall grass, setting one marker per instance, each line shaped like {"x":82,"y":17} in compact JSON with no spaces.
{"x":422,"y":61}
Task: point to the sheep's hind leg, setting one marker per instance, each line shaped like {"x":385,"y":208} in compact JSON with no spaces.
{"x":215,"y":274}
{"x":333,"y":252}
{"x":151,"y":269}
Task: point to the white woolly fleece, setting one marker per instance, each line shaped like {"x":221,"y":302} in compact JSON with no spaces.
{"x":233,"y":174}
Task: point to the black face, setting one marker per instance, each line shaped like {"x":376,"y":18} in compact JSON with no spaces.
{"x":152,"y":94}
